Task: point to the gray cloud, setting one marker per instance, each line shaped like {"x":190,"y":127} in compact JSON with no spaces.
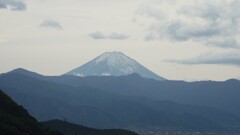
{"x":97,"y":35}
{"x":182,"y":32}
{"x":51,"y":24}
{"x":206,"y":11}
{"x":221,"y":59}
{"x":201,"y":21}
{"x":118,"y":36}
{"x":223,"y":42}
{"x":151,"y":12}
{"x":150,"y":37}
{"x":15,"y":5}
{"x":113,"y":36}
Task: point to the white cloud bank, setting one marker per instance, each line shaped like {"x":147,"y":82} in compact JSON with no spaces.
{"x":51,"y":24}
{"x":213,"y":23}
{"x":113,"y":36}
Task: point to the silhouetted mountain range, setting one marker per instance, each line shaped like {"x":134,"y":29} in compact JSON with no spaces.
{"x":124,"y":101}
{"x":222,"y":95}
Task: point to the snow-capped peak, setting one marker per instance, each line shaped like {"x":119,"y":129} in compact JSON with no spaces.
{"x":115,"y":64}
{"x":117,"y":60}
{"x":111,"y":57}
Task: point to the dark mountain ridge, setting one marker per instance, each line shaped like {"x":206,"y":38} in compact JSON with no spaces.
{"x":222,"y":95}
{"x":111,"y":108}
{"x":15,"y":120}
{"x":73,"y":129}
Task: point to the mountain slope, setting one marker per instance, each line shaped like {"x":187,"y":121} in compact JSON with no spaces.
{"x":14,"y":120}
{"x":113,"y":64}
{"x":73,"y":129}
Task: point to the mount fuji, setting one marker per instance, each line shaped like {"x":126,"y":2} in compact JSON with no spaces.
{"x":113,"y":64}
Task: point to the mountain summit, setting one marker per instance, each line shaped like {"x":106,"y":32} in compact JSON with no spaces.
{"x":113,"y":64}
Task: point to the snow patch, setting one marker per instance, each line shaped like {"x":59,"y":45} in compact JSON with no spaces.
{"x":102,"y":57}
{"x":106,"y":74}
{"x":127,"y":70}
{"x":77,"y":74}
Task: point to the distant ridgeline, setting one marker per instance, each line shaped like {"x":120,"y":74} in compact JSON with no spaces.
{"x":131,"y":101}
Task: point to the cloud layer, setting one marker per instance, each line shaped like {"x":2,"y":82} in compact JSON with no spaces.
{"x":97,"y":35}
{"x":113,"y":36}
{"x":118,"y":36}
{"x":222,"y":59}
{"x":51,"y":24}
{"x":15,"y":5}
{"x":213,"y":23}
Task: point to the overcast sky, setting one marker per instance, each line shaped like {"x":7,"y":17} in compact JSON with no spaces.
{"x":177,"y":39}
